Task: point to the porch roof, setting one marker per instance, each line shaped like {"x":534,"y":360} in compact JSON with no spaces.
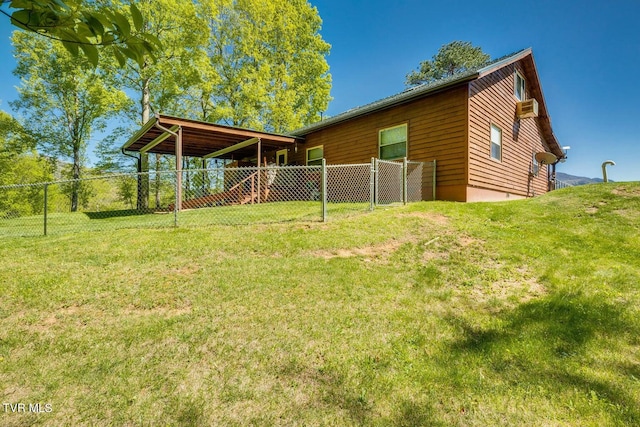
{"x":201,"y":139}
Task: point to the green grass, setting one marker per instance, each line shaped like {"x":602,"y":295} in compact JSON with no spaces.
{"x":518,"y":313}
{"x":66,"y":223}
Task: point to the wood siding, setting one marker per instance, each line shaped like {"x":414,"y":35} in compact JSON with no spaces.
{"x":437,"y":129}
{"x":492,"y":101}
{"x":454,"y":128}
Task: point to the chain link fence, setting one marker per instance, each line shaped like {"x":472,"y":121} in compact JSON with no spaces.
{"x":218,"y":196}
{"x":250,"y":195}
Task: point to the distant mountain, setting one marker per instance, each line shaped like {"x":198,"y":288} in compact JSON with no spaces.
{"x":576,"y":180}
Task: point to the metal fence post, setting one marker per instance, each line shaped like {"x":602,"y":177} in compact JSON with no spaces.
{"x":376,"y":181}
{"x":372,"y":184}
{"x":404,"y":181}
{"x":324,"y":190}
{"x":434,"y":179}
{"x":178,"y":196}
{"x":46,"y":190}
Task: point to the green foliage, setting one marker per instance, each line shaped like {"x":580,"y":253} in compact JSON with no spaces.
{"x":451,"y":59}
{"x":17,"y":171}
{"x":269,"y":59}
{"x":250,"y":63}
{"x":127,"y":190}
{"x":158,"y":86}
{"x":63,"y":100}
{"x":109,"y":155}
{"x":19,"y":165}
{"x":82,"y":27}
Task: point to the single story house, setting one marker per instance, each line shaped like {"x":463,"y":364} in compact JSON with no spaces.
{"x":483,"y":127}
{"x":488,"y":130}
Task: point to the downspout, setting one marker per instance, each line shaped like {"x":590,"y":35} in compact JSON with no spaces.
{"x":164,"y":129}
{"x":138,"y":160}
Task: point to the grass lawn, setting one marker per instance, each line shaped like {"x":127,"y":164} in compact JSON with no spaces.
{"x":519,"y":313}
{"x":65,"y":223}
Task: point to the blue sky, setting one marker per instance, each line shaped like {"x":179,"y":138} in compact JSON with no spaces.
{"x":587,"y":54}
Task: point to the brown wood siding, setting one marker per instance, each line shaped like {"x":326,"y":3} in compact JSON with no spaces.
{"x":437,"y":129}
{"x":492,"y":101}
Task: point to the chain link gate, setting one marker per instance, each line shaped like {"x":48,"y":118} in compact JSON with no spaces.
{"x":350,"y":187}
{"x":389,"y":182}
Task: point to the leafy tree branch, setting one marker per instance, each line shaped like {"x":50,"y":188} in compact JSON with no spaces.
{"x":84,"y":26}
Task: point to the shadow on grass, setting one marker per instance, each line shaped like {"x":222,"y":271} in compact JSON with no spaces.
{"x":337,"y":393}
{"x":119,"y":213}
{"x":545,"y":341}
{"x":417,"y":414}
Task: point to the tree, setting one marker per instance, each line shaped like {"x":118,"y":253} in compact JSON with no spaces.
{"x":270,"y":63}
{"x":250,"y":63}
{"x":84,"y":26}
{"x":451,"y":59}
{"x":160,"y":85}
{"x":19,"y":164}
{"x":64,"y":100}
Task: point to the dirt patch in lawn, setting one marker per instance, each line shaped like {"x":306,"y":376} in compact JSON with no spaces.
{"x":628,"y":192}
{"x":375,"y":251}
{"x":436,"y":218}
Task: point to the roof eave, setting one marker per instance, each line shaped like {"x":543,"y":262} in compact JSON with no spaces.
{"x":504,"y":62}
{"x":144,"y":129}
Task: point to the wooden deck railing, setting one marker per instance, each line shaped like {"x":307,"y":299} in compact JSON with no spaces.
{"x":236,"y":195}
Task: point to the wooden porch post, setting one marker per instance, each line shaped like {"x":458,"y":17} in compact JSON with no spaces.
{"x":259,"y":160}
{"x":179,"y":169}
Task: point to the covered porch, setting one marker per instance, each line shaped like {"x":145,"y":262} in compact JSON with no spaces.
{"x":185,"y":138}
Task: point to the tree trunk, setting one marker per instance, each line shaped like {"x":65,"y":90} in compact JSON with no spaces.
{"x":143,"y":178}
{"x":158,"y":181}
{"x":75,"y":186}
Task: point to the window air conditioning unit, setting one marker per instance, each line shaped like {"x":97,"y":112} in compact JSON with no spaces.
{"x":528,"y":108}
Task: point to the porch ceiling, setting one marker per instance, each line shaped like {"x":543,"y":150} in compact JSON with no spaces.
{"x":200,"y":139}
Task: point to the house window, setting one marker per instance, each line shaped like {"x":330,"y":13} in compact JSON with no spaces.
{"x":315,"y":155}
{"x":393,"y":142}
{"x":519,"y":90}
{"x":496,"y":142}
{"x":282,"y":157}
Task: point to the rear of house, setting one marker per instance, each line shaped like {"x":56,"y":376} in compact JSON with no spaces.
{"x":483,"y":128}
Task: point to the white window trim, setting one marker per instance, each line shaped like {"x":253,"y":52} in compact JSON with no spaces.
{"x":491,"y":143}
{"x":313,"y":148}
{"x":406,"y":141}
{"x":515,"y":86}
